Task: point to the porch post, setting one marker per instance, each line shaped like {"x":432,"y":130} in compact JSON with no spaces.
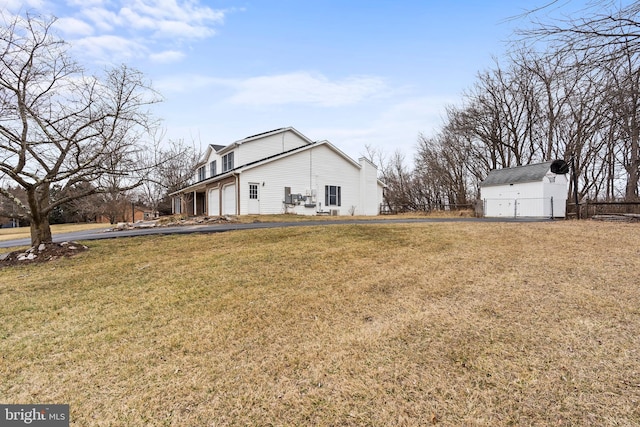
{"x":195,"y":203}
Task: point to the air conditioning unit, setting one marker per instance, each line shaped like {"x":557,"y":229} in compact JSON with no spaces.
{"x":335,"y":212}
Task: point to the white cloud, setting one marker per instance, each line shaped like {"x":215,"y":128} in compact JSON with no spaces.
{"x":184,"y":30}
{"x":185,"y":11}
{"x":110,"y":48}
{"x":163,"y":18}
{"x":291,"y":88}
{"x":21,"y":5}
{"x":305,"y":88}
{"x":103,"y":19}
{"x":74,"y":27}
{"x":85,"y":3}
{"x":167,"y":56}
{"x":135,"y":26}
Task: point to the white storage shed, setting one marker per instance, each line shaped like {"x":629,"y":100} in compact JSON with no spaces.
{"x":537,"y":191}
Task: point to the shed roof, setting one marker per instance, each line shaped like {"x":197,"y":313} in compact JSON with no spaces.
{"x":519,"y":174}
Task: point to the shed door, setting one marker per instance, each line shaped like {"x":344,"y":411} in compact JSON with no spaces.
{"x":229,"y":199}
{"x":214,"y":202}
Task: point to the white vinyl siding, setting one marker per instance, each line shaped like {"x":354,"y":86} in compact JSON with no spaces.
{"x":305,"y":173}
{"x":258,"y":149}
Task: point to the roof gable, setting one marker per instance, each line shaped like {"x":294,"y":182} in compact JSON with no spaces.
{"x":298,"y":150}
{"x":207,"y":153}
{"x":264,"y":135}
{"x":519,"y":174}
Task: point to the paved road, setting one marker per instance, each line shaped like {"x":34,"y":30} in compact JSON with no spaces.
{"x":97,"y":234}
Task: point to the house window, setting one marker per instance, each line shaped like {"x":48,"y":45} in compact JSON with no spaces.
{"x":332,"y":195}
{"x":253,"y":191}
{"x":212,"y":168}
{"x":227,"y":162}
{"x":201,"y":173}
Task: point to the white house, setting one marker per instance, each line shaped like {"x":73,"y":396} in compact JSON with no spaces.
{"x":526,"y":191}
{"x":280,"y":171}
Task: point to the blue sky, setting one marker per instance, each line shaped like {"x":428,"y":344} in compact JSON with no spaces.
{"x":375,"y":72}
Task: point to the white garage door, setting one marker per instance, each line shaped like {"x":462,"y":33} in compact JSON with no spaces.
{"x":214,"y":202}
{"x":229,"y":199}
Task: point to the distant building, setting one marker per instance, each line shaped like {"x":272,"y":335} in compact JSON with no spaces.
{"x":130,"y":214}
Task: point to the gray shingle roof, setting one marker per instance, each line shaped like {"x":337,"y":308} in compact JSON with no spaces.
{"x":528,"y":173}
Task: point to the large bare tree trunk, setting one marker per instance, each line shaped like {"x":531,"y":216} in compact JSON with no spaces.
{"x":40,"y":232}
{"x":40,"y":229}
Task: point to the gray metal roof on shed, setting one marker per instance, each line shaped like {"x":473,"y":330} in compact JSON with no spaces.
{"x":519,"y":174}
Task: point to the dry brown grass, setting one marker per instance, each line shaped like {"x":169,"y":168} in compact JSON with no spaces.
{"x":25,"y":232}
{"x":447,"y":324}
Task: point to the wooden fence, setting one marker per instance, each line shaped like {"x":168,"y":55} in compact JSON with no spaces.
{"x":593,"y":209}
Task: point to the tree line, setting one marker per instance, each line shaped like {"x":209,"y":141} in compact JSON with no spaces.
{"x":168,"y":167}
{"x":567,"y":89}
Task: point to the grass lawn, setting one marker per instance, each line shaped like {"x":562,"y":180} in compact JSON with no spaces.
{"x":25,"y":232}
{"x":381,"y":325}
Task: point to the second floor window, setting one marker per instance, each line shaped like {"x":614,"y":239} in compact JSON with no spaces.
{"x":212,"y":168}
{"x":201,"y":173}
{"x":227,"y":162}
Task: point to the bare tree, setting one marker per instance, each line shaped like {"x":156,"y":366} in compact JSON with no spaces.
{"x":170,"y":167}
{"x":442,"y":163}
{"x":604,"y":29}
{"x":398,"y":180}
{"x":607,"y":36}
{"x":61,"y":126}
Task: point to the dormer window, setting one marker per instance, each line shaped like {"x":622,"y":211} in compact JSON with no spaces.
{"x":212,"y":168}
{"x":227,"y":162}
{"x":201,"y":173}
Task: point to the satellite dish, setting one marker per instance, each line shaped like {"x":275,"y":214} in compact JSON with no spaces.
{"x":559,"y":167}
